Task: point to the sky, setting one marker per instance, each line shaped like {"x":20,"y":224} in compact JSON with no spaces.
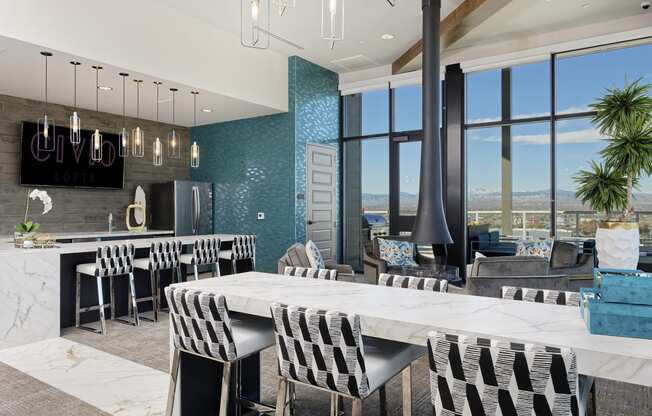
{"x":580,"y":80}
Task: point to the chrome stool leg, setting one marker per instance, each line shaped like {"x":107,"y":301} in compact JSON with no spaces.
{"x":238,"y":388}
{"x":112,"y":296}
{"x":217,"y":266}
{"x":77,"y":299}
{"x":224,"y":394}
{"x":153,"y":279}
{"x":194,"y":269}
{"x":172,"y":390}
{"x":281,"y":396}
{"x":132,"y":291}
{"x":233,"y":266}
{"x":100,"y":302}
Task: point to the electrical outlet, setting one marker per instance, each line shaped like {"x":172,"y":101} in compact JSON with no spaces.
{"x":261,"y":215}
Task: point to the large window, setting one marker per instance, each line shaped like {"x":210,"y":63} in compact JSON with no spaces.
{"x":516,"y":183}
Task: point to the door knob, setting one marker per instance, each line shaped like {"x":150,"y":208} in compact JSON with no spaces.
{"x":310,"y":222}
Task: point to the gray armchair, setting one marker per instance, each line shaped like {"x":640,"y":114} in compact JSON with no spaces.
{"x":374,"y":266}
{"x":566,"y":259}
{"x":296,"y":256}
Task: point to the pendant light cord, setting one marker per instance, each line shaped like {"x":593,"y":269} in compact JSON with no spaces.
{"x":137,"y":100}
{"x":194,"y":109}
{"x":173,"y":107}
{"x":75,"y":87}
{"x":156,"y":101}
{"x":124,"y":117}
{"x":97,"y":89}
{"x":46,"y":82}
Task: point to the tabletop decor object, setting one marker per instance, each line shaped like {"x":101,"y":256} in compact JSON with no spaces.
{"x":619,"y":303}
{"x":624,"y":116}
{"x":26,"y":230}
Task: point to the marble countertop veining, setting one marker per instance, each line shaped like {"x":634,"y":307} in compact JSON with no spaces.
{"x":408,"y":315}
{"x":7,"y":248}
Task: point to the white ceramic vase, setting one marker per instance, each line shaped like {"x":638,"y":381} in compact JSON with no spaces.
{"x":617,"y":244}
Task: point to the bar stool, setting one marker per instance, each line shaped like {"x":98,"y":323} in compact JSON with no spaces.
{"x":243,"y":248}
{"x":110,"y":261}
{"x":552,"y":297}
{"x":470,"y":375}
{"x":412,"y":282}
{"x":205,"y":251}
{"x":311,"y":273}
{"x":202,"y":325}
{"x":163,"y":255}
{"x":326,"y":350}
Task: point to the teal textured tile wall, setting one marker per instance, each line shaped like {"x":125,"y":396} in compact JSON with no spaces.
{"x":258,"y":164}
{"x":316,"y":115}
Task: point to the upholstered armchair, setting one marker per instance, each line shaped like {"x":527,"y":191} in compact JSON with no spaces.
{"x":374,"y":266}
{"x":296,"y":256}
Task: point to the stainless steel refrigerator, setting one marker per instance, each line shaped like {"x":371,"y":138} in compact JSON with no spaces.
{"x":183,"y":206}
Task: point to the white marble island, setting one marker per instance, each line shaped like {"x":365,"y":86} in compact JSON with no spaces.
{"x":30,"y":286}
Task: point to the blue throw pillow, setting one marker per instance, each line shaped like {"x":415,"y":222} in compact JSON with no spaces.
{"x":397,"y":253}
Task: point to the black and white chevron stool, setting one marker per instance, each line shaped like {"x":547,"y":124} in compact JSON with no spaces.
{"x":552,"y":297}
{"x":412,"y":282}
{"x":477,"y":376}
{"x":163,"y":255}
{"x":243,"y":248}
{"x":326,"y":350}
{"x":322,"y":274}
{"x":205,"y":251}
{"x":203,"y":325}
{"x":110,"y":261}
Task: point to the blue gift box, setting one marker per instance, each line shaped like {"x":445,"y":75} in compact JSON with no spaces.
{"x":624,"y":286}
{"x":618,"y":319}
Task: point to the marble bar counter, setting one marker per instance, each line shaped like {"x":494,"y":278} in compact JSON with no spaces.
{"x":31,"y":284}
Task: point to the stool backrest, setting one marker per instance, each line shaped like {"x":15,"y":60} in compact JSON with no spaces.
{"x":311,"y":273}
{"x":164,"y":255}
{"x":412,"y":282}
{"x":470,"y":375}
{"x":201,"y":323}
{"x":206,"y":251}
{"x":552,"y":297}
{"x":320,"y":348}
{"x":114,"y":260}
{"x":244,"y":247}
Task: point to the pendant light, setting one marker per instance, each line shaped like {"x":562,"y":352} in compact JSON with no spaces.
{"x":283,"y":5}
{"x":123,"y":136}
{"x":194,"y":149}
{"x":96,"y":139}
{"x":46,"y":126}
{"x":332,"y":20}
{"x":157,"y":154}
{"x":174,"y":140}
{"x":392,"y":3}
{"x":137,"y":134}
{"x":75,"y":121}
{"x":254,"y":24}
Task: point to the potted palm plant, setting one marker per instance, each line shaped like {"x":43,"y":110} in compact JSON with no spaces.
{"x":625,"y":117}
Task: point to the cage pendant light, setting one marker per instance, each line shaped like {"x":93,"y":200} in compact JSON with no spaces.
{"x":174,"y":140}
{"x":123,"y":136}
{"x":157,"y":153}
{"x":254,"y":23}
{"x":137,"y":134}
{"x":46,"y":128}
{"x":283,"y":5}
{"x":194,"y":149}
{"x":332,"y":20}
{"x":75,"y":120}
{"x":96,"y":139}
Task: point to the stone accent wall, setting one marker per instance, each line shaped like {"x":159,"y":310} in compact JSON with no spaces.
{"x":78,"y":209}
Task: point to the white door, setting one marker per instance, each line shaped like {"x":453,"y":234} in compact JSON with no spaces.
{"x":321,"y":213}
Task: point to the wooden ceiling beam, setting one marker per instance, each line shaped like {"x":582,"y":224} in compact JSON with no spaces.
{"x":469,"y":14}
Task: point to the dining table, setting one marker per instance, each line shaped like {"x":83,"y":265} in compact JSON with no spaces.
{"x":408,"y":315}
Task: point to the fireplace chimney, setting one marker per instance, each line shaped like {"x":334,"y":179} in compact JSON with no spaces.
{"x":430,"y":225}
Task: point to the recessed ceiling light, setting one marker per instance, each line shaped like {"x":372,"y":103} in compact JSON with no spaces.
{"x":207,"y":110}
{"x":105,"y":88}
{"x":387,"y":36}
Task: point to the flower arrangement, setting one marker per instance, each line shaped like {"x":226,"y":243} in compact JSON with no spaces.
{"x":28,"y":226}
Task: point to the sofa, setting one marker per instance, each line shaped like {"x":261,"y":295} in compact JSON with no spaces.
{"x":296,"y":256}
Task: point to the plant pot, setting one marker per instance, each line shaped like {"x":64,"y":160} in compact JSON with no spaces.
{"x":617,"y":244}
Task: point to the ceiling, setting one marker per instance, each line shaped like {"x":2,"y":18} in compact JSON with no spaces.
{"x":524,"y":18}
{"x":365,"y":21}
{"x":23,"y":71}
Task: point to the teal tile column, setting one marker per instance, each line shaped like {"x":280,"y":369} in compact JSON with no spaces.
{"x":259,"y":164}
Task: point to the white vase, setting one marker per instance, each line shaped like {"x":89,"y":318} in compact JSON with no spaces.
{"x":617,"y":245}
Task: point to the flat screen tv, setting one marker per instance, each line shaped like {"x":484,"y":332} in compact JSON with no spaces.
{"x":68,"y":165}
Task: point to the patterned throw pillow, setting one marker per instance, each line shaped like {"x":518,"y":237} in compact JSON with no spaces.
{"x":539,"y":248}
{"x":314,"y":256}
{"x":397,"y":253}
